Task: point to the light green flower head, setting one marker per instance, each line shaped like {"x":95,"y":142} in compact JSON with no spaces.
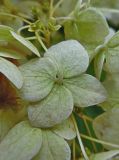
{"x":37,"y":144}
{"x":55,"y":83}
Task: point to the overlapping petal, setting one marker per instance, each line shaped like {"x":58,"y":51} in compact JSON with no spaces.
{"x":112,"y":55}
{"x":66,"y":129}
{"x":86,"y":90}
{"x":70,"y":58}
{"x":106,"y":127}
{"x":39,"y":75}
{"x":53,"y":148}
{"x":55,"y":108}
{"x":22,"y":142}
{"x":111,"y":84}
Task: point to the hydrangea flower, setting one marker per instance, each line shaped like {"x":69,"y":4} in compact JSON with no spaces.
{"x":36,"y":143}
{"x":57,"y":82}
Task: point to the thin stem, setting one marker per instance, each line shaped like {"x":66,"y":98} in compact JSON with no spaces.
{"x":64,"y":18}
{"x":34,"y":37}
{"x":15,"y":16}
{"x":56,"y":6}
{"x":74,"y":150}
{"x":85,"y":4}
{"x":86,"y":117}
{"x":105,"y":10}
{"x":30,"y":38}
{"x":100,"y":141}
{"x":40,"y":41}
{"x":79,"y":139}
{"x":24,"y":16}
{"x":22,"y":28}
{"x":51,"y":8}
{"x":68,"y":17}
{"x":88,"y":130}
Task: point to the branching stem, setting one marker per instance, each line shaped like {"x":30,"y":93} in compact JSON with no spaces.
{"x":15,"y":16}
{"x":40,"y":40}
{"x":100,"y":141}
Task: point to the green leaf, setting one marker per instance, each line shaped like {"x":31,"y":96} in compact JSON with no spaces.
{"x":86,"y":90}
{"x":11,"y":72}
{"x":53,"y":148}
{"x":52,"y":110}
{"x":90,"y":28}
{"x":21,"y":138}
{"x":65,"y":130}
{"x":8,"y":53}
{"x":38,"y":79}
{"x":8,"y":118}
{"x":110,"y":155}
{"x":7,"y":20}
{"x":112,"y":55}
{"x":5,"y":33}
{"x":70,"y":57}
{"x":106,"y":127}
{"x":26,"y":43}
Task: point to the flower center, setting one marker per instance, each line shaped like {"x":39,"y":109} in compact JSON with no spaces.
{"x":59,"y":79}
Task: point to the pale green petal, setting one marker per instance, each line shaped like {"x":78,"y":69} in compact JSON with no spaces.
{"x":110,"y":35}
{"x":53,"y":148}
{"x":98,"y":64}
{"x":26,"y":43}
{"x":86,"y":90}
{"x":39,"y":75}
{"x":66,"y":129}
{"x":52,"y":110}
{"x":114,"y":41}
{"x":90,"y":28}
{"x":11,"y":72}
{"x":112,"y":55}
{"x":110,"y":155}
{"x":106,"y":127}
{"x":65,"y":8}
{"x":70,"y":57}
{"x":22,"y":142}
{"x":8,"y":118}
{"x":106,"y":3}
{"x":100,"y":57}
{"x":112,"y":86}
